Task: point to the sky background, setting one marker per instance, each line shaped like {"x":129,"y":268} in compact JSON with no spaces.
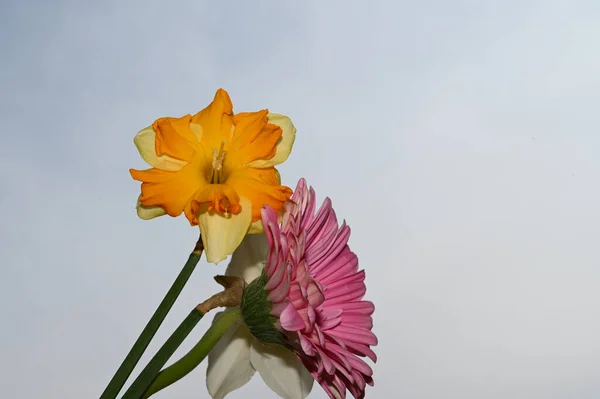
{"x":459,"y":139}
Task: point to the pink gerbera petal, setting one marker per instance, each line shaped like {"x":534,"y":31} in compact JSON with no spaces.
{"x":290,"y":319}
{"x":316,"y":290}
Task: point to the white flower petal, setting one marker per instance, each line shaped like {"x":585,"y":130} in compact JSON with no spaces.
{"x":281,"y":370}
{"x":149,"y":212}
{"x":229,"y":365}
{"x":222,"y":234}
{"x":284,"y":145}
{"x":145,"y":141}
{"x":249,"y":258}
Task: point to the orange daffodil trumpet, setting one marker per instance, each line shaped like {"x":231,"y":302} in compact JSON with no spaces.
{"x":217,"y":168}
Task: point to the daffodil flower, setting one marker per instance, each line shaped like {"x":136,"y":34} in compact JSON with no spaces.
{"x":217,"y":168}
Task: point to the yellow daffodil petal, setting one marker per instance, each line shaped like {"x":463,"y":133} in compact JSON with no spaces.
{"x":174,"y":137}
{"x":248,"y":126}
{"x":171,"y":191}
{"x":222,"y":233}
{"x":284,"y":145}
{"x":149,"y":212}
{"x":253,"y":139}
{"x":261,"y":187}
{"x":215,"y":121}
{"x":145,"y":141}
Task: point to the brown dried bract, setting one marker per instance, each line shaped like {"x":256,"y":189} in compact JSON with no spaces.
{"x":231,"y":296}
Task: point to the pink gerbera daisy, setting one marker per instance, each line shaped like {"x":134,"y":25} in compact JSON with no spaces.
{"x":314,"y":290}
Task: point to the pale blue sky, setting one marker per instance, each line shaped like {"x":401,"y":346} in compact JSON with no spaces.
{"x":458,"y":139}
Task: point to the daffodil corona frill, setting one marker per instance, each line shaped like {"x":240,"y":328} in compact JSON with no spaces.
{"x":217,"y":168}
{"x":307,"y":296}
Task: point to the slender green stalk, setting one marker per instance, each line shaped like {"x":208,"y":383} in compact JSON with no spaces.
{"x":143,"y":381}
{"x":140,"y":345}
{"x":194,"y":357}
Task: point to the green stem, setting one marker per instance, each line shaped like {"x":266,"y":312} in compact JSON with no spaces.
{"x":139,"y":347}
{"x":143,"y":381}
{"x":194,"y":357}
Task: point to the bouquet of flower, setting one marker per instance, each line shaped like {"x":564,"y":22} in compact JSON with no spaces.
{"x":293,"y":290}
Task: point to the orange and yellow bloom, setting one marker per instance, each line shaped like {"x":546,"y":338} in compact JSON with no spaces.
{"x":217,"y":168}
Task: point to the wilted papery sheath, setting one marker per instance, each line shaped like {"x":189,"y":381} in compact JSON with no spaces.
{"x":216,"y":167}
